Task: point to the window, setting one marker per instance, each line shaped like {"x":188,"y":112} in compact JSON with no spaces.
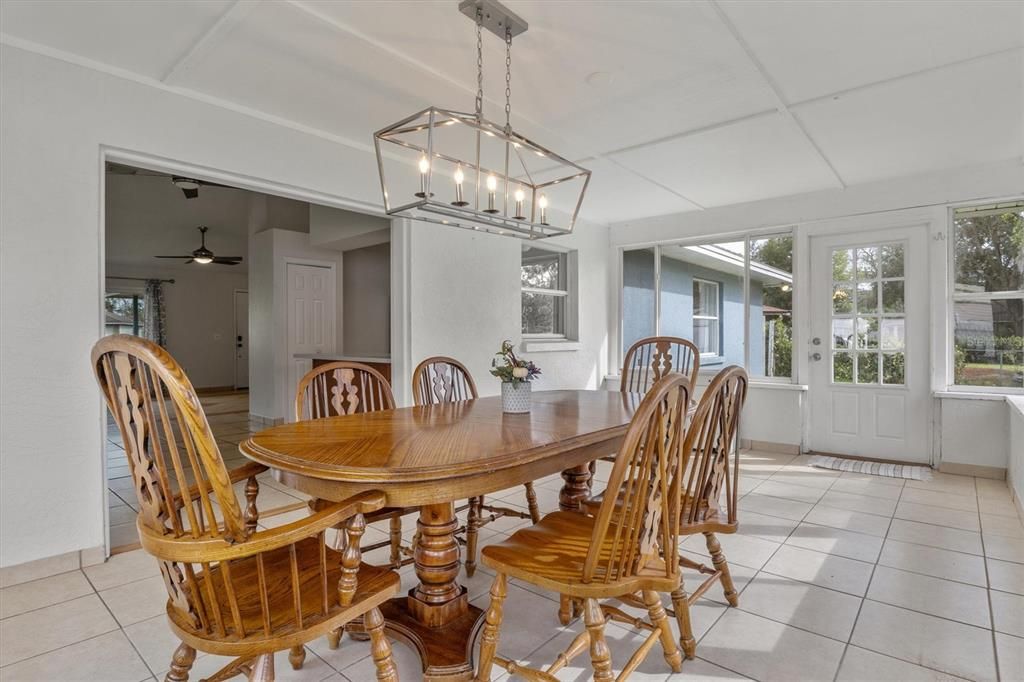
{"x":124,"y":314}
{"x":868,"y":316}
{"x":988,"y":296}
{"x":547,"y":303}
{"x":706,"y":292}
{"x":706,"y":327}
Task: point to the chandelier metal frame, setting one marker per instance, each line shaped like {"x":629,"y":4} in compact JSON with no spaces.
{"x":495,"y":217}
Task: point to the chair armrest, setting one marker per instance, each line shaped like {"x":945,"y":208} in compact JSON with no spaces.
{"x":235,"y":475}
{"x":214,"y":548}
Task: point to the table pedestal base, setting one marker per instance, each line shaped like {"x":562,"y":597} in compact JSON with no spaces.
{"x":446,"y":652}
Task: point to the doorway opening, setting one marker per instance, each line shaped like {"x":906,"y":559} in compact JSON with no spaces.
{"x":201,"y":268}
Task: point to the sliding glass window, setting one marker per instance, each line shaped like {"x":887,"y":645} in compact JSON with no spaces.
{"x":733,"y":299}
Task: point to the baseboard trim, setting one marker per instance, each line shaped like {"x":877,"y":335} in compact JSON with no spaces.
{"x":1017,"y":502}
{"x":769,"y":446}
{"x":976,"y":470}
{"x":266,"y":421}
{"x":48,"y":566}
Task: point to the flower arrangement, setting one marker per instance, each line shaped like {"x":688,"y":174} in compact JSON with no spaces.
{"x":511,"y":369}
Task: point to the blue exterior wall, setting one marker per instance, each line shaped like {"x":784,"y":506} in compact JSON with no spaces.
{"x":677,"y":307}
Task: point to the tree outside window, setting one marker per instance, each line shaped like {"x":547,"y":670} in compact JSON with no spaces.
{"x":988,"y":296}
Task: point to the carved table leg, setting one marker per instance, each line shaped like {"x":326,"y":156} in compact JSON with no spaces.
{"x":436,"y":618}
{"x":575,"y":489}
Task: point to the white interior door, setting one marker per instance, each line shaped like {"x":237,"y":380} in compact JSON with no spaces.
{"x":869,"y":346}
{"x":311,"y":318}
{"x":241,"y":339}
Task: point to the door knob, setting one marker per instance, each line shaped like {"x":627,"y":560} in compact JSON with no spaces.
{"x":816,"y":341}
{"x":815,"y":356}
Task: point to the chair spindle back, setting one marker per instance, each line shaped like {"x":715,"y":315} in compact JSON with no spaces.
{"x":342,"y":388}
{"x":442,"y":380}
{"x":648,"y":360}
{"x":644,"y":518}
{"x":711,"y":439}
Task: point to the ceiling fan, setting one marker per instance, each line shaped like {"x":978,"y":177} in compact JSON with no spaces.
{"x":203,"y":255}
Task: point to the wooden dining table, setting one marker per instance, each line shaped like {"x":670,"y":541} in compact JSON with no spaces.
{"x":432,"y":456}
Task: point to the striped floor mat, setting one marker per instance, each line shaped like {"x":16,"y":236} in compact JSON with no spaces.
{"x":913,"y":472}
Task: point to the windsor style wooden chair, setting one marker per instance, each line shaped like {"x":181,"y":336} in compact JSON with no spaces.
{"x":441,"y":379}
{"x":709,"y":492}
{"x":341,"y":388}
{"x":648,"y":360}
{"x":232,"y":589}
{"x":630,"y":546}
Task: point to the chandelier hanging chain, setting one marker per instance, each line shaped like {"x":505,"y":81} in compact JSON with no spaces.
{"x":479,"y":64}
{"x":508,"y":81}
{"x":468,"y":174}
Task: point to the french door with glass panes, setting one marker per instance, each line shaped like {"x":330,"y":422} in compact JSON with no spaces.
{"x":869,"y":345}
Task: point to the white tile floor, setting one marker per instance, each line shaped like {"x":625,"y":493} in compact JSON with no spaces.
{"x":842,"y":577}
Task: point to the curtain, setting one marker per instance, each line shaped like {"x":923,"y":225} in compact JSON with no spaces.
{"x":155,"y":315}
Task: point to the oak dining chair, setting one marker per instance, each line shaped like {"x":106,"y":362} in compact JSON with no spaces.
{"x":709,"y":493}
{"x":629,"y":547}
{"x":342,"y":388}
{"x":233,"y":590}
{"x":648,"y":360}
{"x":442,"y":379}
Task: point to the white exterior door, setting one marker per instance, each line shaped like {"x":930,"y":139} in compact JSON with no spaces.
{"x":869,"y":345}
{"x":311,"y":320}
{"x":241,"y":339}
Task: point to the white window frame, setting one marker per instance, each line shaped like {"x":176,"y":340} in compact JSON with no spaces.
{"x":717,"y":317}
{"x":568,"y":273}
{"x":953,"y":297}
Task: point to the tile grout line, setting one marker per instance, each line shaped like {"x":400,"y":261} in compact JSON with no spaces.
{"x":988,"y":592}
{"x":119,"y":626}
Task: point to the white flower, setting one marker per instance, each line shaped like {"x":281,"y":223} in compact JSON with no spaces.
{"x":519,"y":372}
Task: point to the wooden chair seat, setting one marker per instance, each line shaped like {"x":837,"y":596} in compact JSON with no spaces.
{"x":552,"y":554}
{"x":701,"y":520}
{"x":374,"y":586}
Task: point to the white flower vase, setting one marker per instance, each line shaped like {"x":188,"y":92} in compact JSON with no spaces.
{"x":515,"y":397}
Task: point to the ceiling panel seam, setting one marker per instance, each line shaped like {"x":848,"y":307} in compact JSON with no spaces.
{"x":781,"y":105}
{"x":218,"y":30}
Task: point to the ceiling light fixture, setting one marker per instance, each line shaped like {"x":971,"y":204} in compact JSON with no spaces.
{"x":477,"y":175}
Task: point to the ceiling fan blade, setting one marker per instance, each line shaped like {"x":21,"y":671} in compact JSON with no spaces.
{"x":190,"y":260}
{"x":227,"y":260}
{"x":190,"y":193}
{"x":188,"y":256}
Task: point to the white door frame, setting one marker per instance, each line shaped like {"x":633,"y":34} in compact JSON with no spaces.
{"x":234,"y":324}
{"x":932,"y":220}
{"x":400,"y":337}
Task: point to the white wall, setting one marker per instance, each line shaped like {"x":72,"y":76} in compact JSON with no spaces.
{"x":55,"y":118}
{"x":1015,"y":471}
{"x":200,"y":313}
{"x":366,"y":301}
{"x":974,"y":431}
{"x":343,"y":230}
{"x":465,"y":300}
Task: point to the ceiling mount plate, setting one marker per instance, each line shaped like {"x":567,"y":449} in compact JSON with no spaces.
{"x":496,"y":17}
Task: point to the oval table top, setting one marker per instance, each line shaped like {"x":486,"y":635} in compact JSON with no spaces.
{"x":415,"y":446}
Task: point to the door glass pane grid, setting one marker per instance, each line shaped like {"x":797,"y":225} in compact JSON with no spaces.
{"x":868,"y":325}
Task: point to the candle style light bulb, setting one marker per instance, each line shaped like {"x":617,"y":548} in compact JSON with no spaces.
{"x":424,"y":169}
{"x":492,"y":187}
{"x":459,"y":178}
{"x":543,"y":203}
{"x":519,"y":195}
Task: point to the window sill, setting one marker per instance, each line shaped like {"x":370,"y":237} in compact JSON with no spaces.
{"x":973,"y":395}
{"x":771,"y":385}
{"x":550,"y":345}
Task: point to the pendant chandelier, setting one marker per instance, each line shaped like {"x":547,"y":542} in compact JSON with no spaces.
{"x":460,"y":169}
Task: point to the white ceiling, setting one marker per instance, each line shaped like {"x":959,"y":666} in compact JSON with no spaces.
{"x":703,"y":103}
